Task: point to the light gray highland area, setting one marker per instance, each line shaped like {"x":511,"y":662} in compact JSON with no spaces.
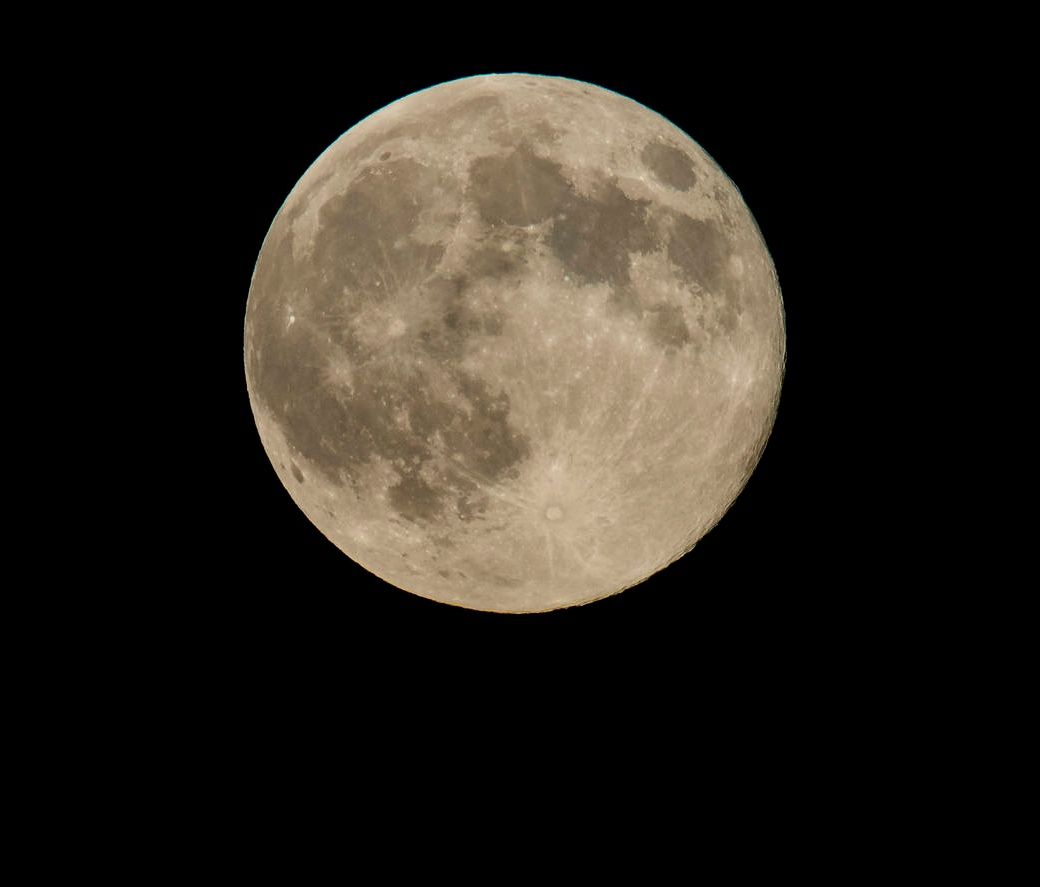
{"x":514,"y":343}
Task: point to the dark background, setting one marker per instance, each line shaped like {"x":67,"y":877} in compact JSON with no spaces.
{"x":831,"y":680}
{"x":855,"y":144}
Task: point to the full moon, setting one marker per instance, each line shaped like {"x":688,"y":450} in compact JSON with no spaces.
{"x":514,"y":343}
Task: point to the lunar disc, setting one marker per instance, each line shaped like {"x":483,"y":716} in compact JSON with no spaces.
{"x":514,"y":343}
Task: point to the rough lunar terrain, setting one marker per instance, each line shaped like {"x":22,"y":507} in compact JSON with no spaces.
{"x":514,"y":343}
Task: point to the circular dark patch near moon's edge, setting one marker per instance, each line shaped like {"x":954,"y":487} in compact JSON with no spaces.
{"x":669,"y":165}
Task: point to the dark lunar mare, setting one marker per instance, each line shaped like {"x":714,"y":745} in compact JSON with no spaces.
{"x":669,"y":165}
{"x":701,"y":253}
{"x":364,"y":252}
{"x":595,"y":235}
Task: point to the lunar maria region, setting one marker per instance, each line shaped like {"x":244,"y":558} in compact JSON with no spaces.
{"x":514,"y":343}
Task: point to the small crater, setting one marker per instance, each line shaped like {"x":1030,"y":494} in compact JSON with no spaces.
{"x":297,"y":473}
{"x":554,"y":513}
{"x":385,"y":155}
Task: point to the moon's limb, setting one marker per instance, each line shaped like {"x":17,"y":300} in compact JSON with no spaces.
{"x":514,"y":343}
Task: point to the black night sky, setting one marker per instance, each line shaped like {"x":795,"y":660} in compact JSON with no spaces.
{"x":824,"y":570}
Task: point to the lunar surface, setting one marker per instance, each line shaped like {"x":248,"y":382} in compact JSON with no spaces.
{"x":514,"y":343}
